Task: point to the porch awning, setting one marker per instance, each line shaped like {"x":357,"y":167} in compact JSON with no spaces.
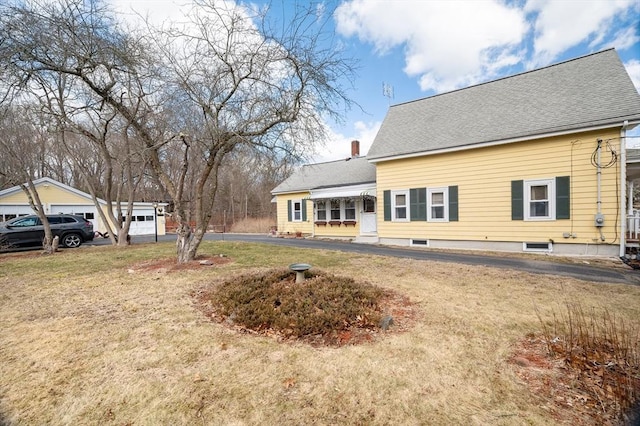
{"x":353,"y":191}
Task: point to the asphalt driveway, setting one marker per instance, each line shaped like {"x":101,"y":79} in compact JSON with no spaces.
{"x":583,"y":271}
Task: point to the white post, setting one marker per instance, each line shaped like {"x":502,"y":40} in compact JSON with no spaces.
{"x":623,"y":181}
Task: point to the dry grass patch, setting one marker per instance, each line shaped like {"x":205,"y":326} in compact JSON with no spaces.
{"x":84,"y":341}
{"x":252,"y":225}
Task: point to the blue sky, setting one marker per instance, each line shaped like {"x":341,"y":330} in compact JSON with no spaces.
{"x":423,"y":47}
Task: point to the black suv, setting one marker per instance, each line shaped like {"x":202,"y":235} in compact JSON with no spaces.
{"x":28,"y":230}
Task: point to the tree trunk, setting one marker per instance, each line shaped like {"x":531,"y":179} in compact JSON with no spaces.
{"x":123,"y":237}
{"x":184,"y":243}
{"x":187,"y":243}
{"x":48,"y":244}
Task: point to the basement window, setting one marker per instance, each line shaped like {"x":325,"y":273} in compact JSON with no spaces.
{"x":538,"y":247}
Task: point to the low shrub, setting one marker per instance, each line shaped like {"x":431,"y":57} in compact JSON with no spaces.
{"x":321,"y":305}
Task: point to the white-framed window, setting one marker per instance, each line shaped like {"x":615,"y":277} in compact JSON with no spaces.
{"x":400,"y":206}
{"x":539,"y":199}
{"x":296,"y":210}
{"x":438,"y":204}
{"x":321,"y":210}
{"x":350,"y":209}
{"x":335,"y":209}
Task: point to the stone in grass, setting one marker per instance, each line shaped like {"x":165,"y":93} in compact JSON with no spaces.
{"x":206,"y":262}
{"x":386,"y":322}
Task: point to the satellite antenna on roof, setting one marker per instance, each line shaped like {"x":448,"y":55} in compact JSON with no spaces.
{"x":387,"y":90}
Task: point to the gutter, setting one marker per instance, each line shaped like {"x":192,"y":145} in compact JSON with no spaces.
{"x":623,"y":188}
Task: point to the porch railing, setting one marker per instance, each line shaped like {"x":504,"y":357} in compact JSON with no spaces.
{"x":633,"y":225}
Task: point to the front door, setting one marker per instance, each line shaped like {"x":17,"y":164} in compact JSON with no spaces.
{"x":368,"y":216}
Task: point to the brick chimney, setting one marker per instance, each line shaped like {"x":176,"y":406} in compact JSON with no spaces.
{"x":355,"y":149}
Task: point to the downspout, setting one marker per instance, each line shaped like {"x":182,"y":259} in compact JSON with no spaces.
{"x":599,"y":218}
{"x":623,"y":185}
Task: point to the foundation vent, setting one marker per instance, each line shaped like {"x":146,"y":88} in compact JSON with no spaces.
{"x":539,"y":247}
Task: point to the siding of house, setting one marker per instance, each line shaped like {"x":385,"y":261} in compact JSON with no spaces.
{"x":484,"y":176}
{"x":48,"y":195}
{"x":56,"y":199}
{"x":290,"y":227}
{"x":341,"y":231}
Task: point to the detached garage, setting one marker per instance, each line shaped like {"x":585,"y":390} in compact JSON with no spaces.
{"x":57,"y":197}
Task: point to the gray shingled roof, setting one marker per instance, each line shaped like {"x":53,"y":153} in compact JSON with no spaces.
{"x":593,"y":90}
{"x":352,"y":171}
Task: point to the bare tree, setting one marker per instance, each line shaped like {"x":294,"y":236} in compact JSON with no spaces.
{"x":23,"y":147}
{"x":193,"y":93}
{"x":245,"y":85}
{"x":76,"y":56}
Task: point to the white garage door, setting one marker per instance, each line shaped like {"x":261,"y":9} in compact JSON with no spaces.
{"x":9,"y":211}
{"x":142,"y":222}
{"x":88,"y":211}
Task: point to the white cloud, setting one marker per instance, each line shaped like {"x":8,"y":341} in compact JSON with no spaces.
{"x":339,"y":146}
{"x":625,"y":38}
{"x":560,"y":25}
{"x":633,"y":68}
{"x":136,"y":11}
{"x":447,"y":44}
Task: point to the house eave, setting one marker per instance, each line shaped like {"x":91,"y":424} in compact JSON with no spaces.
{"x":49,"y":181}
{"x":611,"y":125}
{"x":296,"y":191}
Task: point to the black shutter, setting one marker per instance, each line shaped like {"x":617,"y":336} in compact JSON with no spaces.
{"x":418,"y":203}
{"x":453,"y":203}
{"x":387,"y":205}
{"x":563,"y":204}
{"x":517,"y":200}
{"x":289,"y":211}
{"x":304,"y":210}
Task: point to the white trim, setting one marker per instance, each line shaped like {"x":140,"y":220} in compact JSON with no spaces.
{"x":445,"y":195}
{"x":47,"y":180}
{"x":351,"y":191}
{"x":622,"y":186}
{"x":551,"y":198}
{"x":315,"y":210}
{"x":293,"y":210}
{"x":355,"y":209}
{"x":494,"y":143}
{"x":406,"y":206}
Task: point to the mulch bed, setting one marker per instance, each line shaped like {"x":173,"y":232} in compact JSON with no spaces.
{"x":170,"y":264}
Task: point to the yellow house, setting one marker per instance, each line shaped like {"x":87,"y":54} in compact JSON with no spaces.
{"x":532,"y":162}
{"x":57,"y":197}
{"x":336,"y":199}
